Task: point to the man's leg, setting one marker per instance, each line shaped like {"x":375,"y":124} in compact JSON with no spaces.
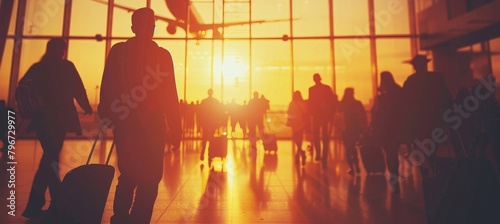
{"x":391,"y":157}
{"x":252,"y":137}
{"x":316,"y":140}
{"x":47,"y":175}
{"x":350,"y":152}
{"x":325,"y":135}
{"x":204,"y":139}
{"x":149,"y":177}
{"x":125,"y":144}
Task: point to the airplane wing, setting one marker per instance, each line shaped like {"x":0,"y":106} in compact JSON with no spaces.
{"x":218,"y":25}
{"x":128,"y":9}
{"x":196,"y":28}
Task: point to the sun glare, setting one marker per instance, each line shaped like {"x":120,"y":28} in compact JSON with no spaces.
{"x":233,"y":68}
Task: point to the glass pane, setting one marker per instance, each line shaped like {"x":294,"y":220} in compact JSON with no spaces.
{"x":271,"y":10}
{"x":31,"y":52}
{"x":44,"y":17}
{"x":235,"y":69}
{"x":271,"y":74}
{"x":235,"y":12}
{"x":199,"y":71}
{"x":351,"y":17}
{"x":390,"y":56}
{"x":88,"y":57}
{"x":391,"y":17}
{"x":312,"y":18}
{"x":311,"y":56}
{"x":83,"y":23}
{"x":5,"y":69}
{"x":352,"y":69}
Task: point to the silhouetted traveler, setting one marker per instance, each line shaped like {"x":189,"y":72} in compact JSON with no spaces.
{"x":355,"y":124}
{"x":265,"y":104}
{"x":189,"y":119}
{"x":58,"y":83}
{"x":298,"y":117}
{"x":244,"y":118}
{"x":138,"y":93}
{"x":386,"y":121}
{"x":196,"y":114}
{"x":426,"y":97}
{"x":237,"y":116}
{"x":210,"y":115}
{"x":320,"y":106}
{"x":255,"y":116}
{"x":334,"y":108}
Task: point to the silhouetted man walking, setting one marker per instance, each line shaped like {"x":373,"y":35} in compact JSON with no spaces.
{"x":425,"y":98}
{"x":320,"y":106}
{"x":138,"y":93}
{"x":210,"y":118}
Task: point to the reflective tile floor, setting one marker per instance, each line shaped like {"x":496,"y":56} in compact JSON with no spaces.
{"x":268,"y":189}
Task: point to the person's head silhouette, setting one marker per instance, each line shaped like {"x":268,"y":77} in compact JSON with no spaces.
{"x":386,"y":81}
{"x":348,"y":93}
{"x":143,"y":23}
{"x":419,"y":63}
{"x":255,"y":95}
{"x":56,"y":48}
{"x":317,"y":78}
{"x":210,"y":92}
{"x":297,"y":96}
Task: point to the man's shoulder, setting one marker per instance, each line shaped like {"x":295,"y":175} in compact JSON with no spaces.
{"x":163,"y":52}
{"x":411,"y":78}
{"x":66,"y":62}
{"x":119,"y":45}
{"x":326,"y":87}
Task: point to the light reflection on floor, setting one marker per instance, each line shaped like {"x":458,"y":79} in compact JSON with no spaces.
{"x":268,"y":189}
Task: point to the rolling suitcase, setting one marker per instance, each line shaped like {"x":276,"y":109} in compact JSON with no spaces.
{"x":85,"y":190}
{"x":372,"y":156}
{"x":217,"y":148}
{"x":269,"y":142}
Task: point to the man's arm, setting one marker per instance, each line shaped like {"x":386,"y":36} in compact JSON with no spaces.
{"x":172,"y":105}
{"x":80,"y":93}
{"x":108,"y":84}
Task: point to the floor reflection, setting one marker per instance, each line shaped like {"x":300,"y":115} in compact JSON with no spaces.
{"x":269,"y":188}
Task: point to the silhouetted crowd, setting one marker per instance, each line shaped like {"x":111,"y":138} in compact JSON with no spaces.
{"x":210,"y":113}
{"x":141,"y":106}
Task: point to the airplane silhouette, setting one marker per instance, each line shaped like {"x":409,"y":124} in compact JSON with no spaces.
{"x":187,"y":18}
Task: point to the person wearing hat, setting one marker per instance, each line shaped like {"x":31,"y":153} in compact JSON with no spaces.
{"x":320,"y":107}
{"x":138,"y":94}
{"x":425,"y":98}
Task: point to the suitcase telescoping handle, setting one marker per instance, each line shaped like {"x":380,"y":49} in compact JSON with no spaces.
{"x":98,"y":136}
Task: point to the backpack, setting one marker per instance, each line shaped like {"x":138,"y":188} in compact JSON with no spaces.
{"x":28,"y":99}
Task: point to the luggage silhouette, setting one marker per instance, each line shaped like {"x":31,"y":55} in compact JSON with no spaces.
{"x":85,"y":190}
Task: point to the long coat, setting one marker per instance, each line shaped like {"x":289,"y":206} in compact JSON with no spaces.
{"x":59,"y":83}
